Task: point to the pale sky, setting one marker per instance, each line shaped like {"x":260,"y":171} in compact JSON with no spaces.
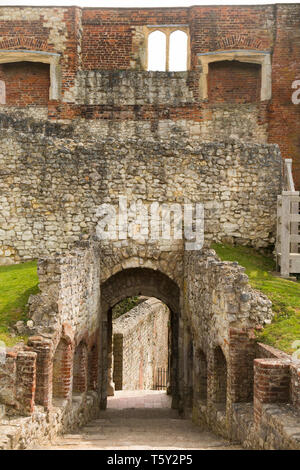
{"x":137,"y":3}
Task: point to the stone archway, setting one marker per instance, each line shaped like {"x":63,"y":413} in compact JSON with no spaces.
{"x":133,"y":282}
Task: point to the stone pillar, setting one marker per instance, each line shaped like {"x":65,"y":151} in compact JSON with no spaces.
{"x":188,"y":369}
{"x":93,"y":368}
{"x":110,"y":361}
{"x":180,"y":367}
{"x":102,"y":361}
{"x":26,"y":381}
{"x":118,"y":360}
{"x":271,"y":384}
{"x":44,"y":369}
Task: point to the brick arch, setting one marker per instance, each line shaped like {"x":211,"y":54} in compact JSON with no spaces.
{"x":24,"y":42}
{"x":132,"y":282}
{"x":238,"y":40}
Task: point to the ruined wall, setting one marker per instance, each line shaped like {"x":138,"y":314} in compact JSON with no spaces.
{"x":62,"y":173}
{"x":242,"y":390}
{"x":69,"y":295}
{"x":61,"y":358}
{"x":140,"y":345}
{"x":115,"y":39}
{"x":215,"y":350}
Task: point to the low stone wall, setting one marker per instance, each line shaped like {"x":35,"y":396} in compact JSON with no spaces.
{"x":17,"y":433}
{"x":272,"y":420}
{"x":140,"y":345}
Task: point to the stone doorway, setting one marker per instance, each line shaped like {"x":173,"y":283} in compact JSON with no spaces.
{"x":138,"y":282}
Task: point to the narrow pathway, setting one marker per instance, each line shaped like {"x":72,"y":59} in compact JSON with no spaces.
{"x":140,"y":420}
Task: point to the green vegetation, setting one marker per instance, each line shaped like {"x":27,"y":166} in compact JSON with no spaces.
{"x":17,"y":282}
{"x":284,"y":294}
{"x":124,"y":306}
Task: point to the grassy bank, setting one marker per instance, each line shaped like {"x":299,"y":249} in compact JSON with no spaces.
{"x":284,"y":294}
{"x":17,"y":282}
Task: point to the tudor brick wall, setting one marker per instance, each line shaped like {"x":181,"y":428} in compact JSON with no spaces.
{"x":77,"y":33}
{"x":284,"y":117}
{"x":26,"y":83}
{"x":114,"y":30}
{"x":225,"y":79}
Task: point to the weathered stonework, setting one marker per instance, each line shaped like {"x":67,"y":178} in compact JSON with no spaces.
{"x":140,"y":346}
{"x":91,"y":43}
{"x":111,"y":129}
{"x":61,"y":377}
{"x":221,"y":314}
{"x":59,"y":180}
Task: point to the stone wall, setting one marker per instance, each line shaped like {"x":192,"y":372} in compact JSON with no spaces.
{"x":90,"y":40}
{"x":57,"y":381}
{"x":242,"y":390}
{"x":160,"y":101}
{"x":42,"y":426}
{"x":60,"y":174}
{"x":69,"y":294}
{"x":53,"y":379}
{"x":140,"y":345}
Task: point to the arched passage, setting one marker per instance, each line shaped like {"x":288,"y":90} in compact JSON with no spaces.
{"x":135,"y":282}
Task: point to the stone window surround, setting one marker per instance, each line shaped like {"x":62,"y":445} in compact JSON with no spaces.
{"x":263,"y":58}
{"x":51,"y":58}
{"x":168,"y":29}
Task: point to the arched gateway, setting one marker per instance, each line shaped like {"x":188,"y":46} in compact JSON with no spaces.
{"x":133,"y":282}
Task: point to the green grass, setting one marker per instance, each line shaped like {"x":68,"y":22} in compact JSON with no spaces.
{"x":284,"y":294}
{"x":17,"y":282}
{"x":124,"y":306}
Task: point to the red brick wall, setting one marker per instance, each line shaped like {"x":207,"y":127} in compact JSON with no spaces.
{"x":107,"y":33}
{"x":271,"y":384}
{"x":284,"y":116}
{"x":102,"y":38}
{"x":107,"y":47}
{"x":234,"y":82}
{"x":230,"y":27}
{"x":26,"y":83}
